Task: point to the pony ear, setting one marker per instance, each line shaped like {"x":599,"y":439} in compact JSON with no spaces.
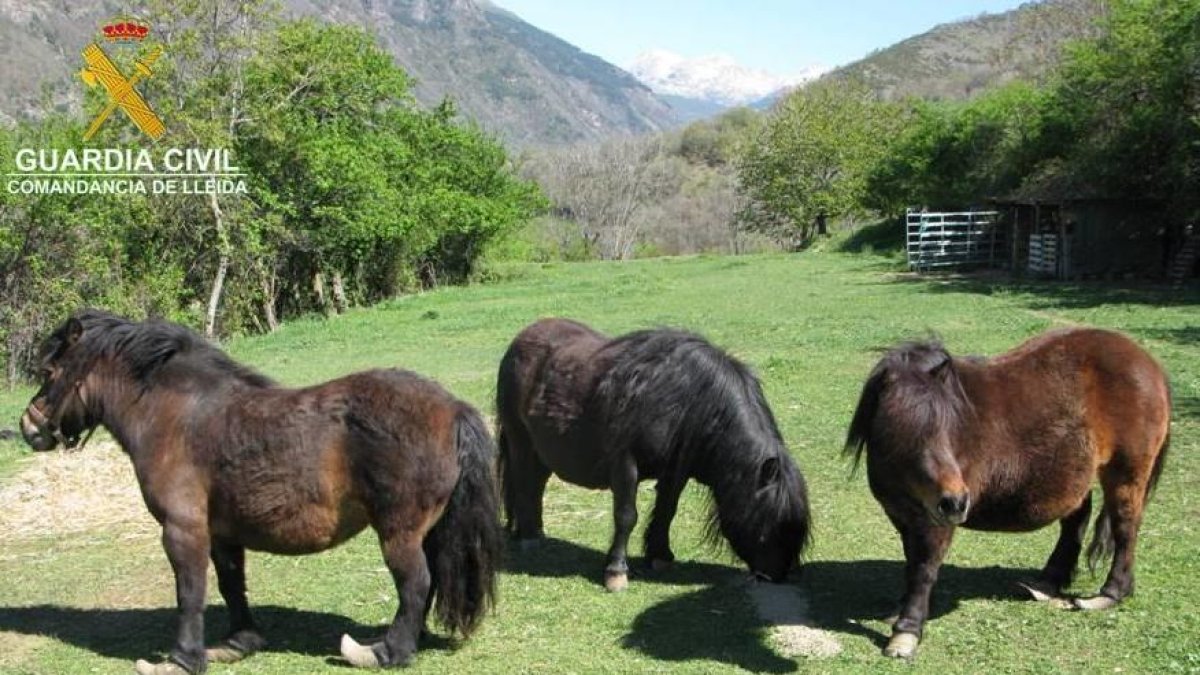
{"x":74,"y":331}
{"x":768,"y":472}
{"x":941,"y":370}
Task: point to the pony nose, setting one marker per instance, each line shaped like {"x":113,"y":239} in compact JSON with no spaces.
{"x":954,"y":506}
{"x":37,"y":439}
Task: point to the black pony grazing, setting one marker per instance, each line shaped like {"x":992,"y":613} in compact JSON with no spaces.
{"x":228,"y":461}
{"x":662,"y":404}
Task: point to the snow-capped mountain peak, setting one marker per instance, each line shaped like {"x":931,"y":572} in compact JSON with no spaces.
{"x":716,"y":77}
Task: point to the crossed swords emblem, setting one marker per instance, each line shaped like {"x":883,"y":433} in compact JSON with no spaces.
{"x":121,"y":93}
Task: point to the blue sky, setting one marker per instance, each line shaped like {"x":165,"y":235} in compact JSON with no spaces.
{"x":779,"y":36}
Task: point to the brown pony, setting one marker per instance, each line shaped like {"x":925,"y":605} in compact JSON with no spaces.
{"x":228,"y":461}
{"x":665,"y":404}
{"x":1012,"y":444}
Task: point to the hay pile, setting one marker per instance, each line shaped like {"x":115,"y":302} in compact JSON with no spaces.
{"x":62,"y":492}
{"x":786,"y":608}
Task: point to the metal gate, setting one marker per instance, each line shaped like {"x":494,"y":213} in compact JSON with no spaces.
{"x":968,"y":238}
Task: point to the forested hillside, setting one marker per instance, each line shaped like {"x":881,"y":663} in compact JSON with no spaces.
{"x":517,"y":81}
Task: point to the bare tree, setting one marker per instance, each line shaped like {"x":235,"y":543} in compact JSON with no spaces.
{"x":604,"y":188}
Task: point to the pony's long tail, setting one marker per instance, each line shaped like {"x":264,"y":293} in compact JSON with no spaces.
{"x":1103,"y":545}
{"x":508,"y":488}
{"x":464,"y":547}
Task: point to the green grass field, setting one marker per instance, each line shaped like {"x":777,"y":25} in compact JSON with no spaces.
{"x":811,"y":325}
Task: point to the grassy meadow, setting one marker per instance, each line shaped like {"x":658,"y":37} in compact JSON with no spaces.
{"x":811,"y":325}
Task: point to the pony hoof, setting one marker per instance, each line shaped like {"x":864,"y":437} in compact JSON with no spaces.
{"x":236,"y":647}
{"x":902,"y":646}
{"x":615,"y":581}
{"x":1094,"y":602}
{"x":358,"y":655}
{"x":661,"y":565}
{"x":1041,"y":591}
{"x":144,"y":667}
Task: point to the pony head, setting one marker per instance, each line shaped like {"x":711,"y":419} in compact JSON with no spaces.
{"x":764,"y":517}
{"x":59,"y":410}
{"x":907,"y":420}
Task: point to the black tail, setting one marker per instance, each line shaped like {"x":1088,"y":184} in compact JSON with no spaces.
{"x":1102,"y":544}
{"x":508,"y":490}
{"x":464,"y":547}
{"x":864,"y":415}
{"x":504,"y":460}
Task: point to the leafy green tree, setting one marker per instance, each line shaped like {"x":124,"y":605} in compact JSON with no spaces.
{"x":1130,"y":102}
{"x":59,"y":252}
{"x":812,"y":158}
{"x":199,"y":87}
{"x":372,"y":192}
{"x":952,"y":155}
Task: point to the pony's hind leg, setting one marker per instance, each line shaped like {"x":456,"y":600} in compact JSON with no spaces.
{"x":243,"y":639}
{"x":523,"y":478}
{"x":624,"y":488}
{"x":405,"y":558}
{"x":1060,"y":567}
{"x":1124,"y":500}
{"x":658,"y":532}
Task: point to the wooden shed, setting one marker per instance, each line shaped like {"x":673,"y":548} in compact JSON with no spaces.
{"x":1065,"y":230}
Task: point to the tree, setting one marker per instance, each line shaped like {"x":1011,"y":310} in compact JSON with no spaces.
{"x":349,"y":178}
{"x":812,"y":157}
{"x":201,"y":86}
{"x":372,"y":192}
{"x":951,"y":155}
{"x":1129,"y":100}
{"x":604,"y":187}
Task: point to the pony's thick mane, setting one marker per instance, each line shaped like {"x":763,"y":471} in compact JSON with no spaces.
{"x":709,"y":395}
{"x":146,"y":347}
{"x":923,"y":373}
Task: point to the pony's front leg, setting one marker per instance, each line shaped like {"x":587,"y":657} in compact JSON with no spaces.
{"x":186,"y":544}
{"x":624,"y":488}
{"x":924,"y":548}
{"x":658,"y":532}
{"x":410,"y":571}
{"x":243,"y":638}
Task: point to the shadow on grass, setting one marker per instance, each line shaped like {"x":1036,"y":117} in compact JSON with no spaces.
{"x":850,"y":598}
{"x":845,"y":594}
{"x":711,"y":623}
{"x":885,"y":237}
{"x":708,"y":624}
{"x":130,"y":634}
{"x":1047,"y":295}
{"x":558,"y":558}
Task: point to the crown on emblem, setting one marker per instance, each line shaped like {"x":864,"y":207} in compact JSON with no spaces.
{"x":125,"y":30}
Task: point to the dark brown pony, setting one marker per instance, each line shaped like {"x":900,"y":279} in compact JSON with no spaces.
{"x":1012,"y":444}
{"x":607,"y":413}
{"x":229,"y":461}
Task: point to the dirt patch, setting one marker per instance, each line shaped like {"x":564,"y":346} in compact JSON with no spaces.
{"x":786,"y":609}
{"x":62,"y":492}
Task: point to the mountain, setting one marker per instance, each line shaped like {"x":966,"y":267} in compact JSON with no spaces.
{"x":524,"y":84}
{"x":688,"y":109}
{"x":960,"y":59}
{"x":717,"y":78}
